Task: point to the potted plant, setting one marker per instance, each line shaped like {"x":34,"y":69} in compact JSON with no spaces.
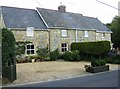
{"x":97,"y":66}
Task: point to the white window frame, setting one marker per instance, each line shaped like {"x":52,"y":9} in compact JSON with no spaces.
{"x":86,"y":34}
{"x":64,"y":48}
{"x":30,"y":31}
{"x":103,"y":35}
{"x":30,"y":49}
{"x":64,"y":33}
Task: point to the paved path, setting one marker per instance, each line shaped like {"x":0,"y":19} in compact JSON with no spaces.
{"x":103,"y":79}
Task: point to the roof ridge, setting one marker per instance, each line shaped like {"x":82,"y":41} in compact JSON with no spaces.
{"x":58,"y":11}
{"x":17,"y":7}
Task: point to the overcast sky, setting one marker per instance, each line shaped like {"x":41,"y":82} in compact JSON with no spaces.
{"x":91,"y":8}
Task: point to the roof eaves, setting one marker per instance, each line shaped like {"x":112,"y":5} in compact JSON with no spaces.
{"x":26,"y":28}
{"x":104,"y":31}
{"x":57,"y":27}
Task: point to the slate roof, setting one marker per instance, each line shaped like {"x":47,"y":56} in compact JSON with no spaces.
{"x":21,"y":18}
{"x":54,"y":18}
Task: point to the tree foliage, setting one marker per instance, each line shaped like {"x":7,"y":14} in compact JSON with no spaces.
{"x":8,"y":47}
{"x":115,"y":27}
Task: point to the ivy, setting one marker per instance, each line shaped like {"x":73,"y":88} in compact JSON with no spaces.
{"x":21,"y":47}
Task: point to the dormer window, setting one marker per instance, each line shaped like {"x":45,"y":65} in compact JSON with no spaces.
{"x":86,"y":34}
{"x":30,"y":31}
{"x":64,"y":33}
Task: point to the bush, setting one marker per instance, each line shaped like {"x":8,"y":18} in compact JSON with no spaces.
{"x":8,"y":56}
{"x":54,"y":55}
{"x":20,"y":47}
{"x":113,"y":60}
{"x":98,"y":62}
{"x":42,"y":53}
{"x":71,"y":56}
{"x":93,"y":48}
{"x":8,"y":47}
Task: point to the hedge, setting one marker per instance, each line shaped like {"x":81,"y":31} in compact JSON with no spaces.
{"x":93,"y":48}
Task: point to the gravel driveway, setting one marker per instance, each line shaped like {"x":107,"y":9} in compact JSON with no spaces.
{"x":44,"y":71}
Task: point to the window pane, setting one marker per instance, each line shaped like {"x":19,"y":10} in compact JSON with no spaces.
{"x":32,"y":51}
{"x":32,"y":46}
{"x":65,"y":45}
{"x":62,"y":49}
{"x":62,"y":44}
{"x":28,"y":46}
{"x":28,"y":51}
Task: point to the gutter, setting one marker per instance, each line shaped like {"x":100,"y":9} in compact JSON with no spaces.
{"x":104,"y":31}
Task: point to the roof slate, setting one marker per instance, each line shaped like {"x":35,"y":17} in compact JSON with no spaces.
{"x":55,"y":18}
{"x":21,"y":18}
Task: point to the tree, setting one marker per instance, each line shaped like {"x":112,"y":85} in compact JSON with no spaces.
{"x":8,"y":47}
{"x":8,"y":56}
{"x":115,"y":27}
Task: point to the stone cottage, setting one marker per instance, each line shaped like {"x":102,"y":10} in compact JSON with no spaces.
{"x":51,"y":28}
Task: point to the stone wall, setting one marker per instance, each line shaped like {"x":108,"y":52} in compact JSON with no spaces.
{"x":40,"y":38}
{"x":91,"y":36}
{"x":100,"y":38}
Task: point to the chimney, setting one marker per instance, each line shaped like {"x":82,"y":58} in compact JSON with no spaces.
{"x":62,"y":8}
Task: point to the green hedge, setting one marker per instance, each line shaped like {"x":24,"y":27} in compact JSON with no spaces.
{"x":71,"y":56}
{"x":93,"y":48}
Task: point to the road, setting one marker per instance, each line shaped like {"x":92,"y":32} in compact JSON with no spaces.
{"x":103,"y":79}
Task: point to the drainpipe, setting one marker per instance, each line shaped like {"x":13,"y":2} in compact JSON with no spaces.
{"x":49,"y":39}
{"x":76,"y":38}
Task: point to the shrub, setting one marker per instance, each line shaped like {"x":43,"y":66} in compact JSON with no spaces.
{"x":71,"y":56}
{"x":20,"y":47}
{"x":42,"y":53}
{"x":8,"y":56}
{"x":54,"y":55}
{"x":8,"y":47}
{"x":98,"y":62}
{"x":93,"y":48}
{"x":113,"y":60}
